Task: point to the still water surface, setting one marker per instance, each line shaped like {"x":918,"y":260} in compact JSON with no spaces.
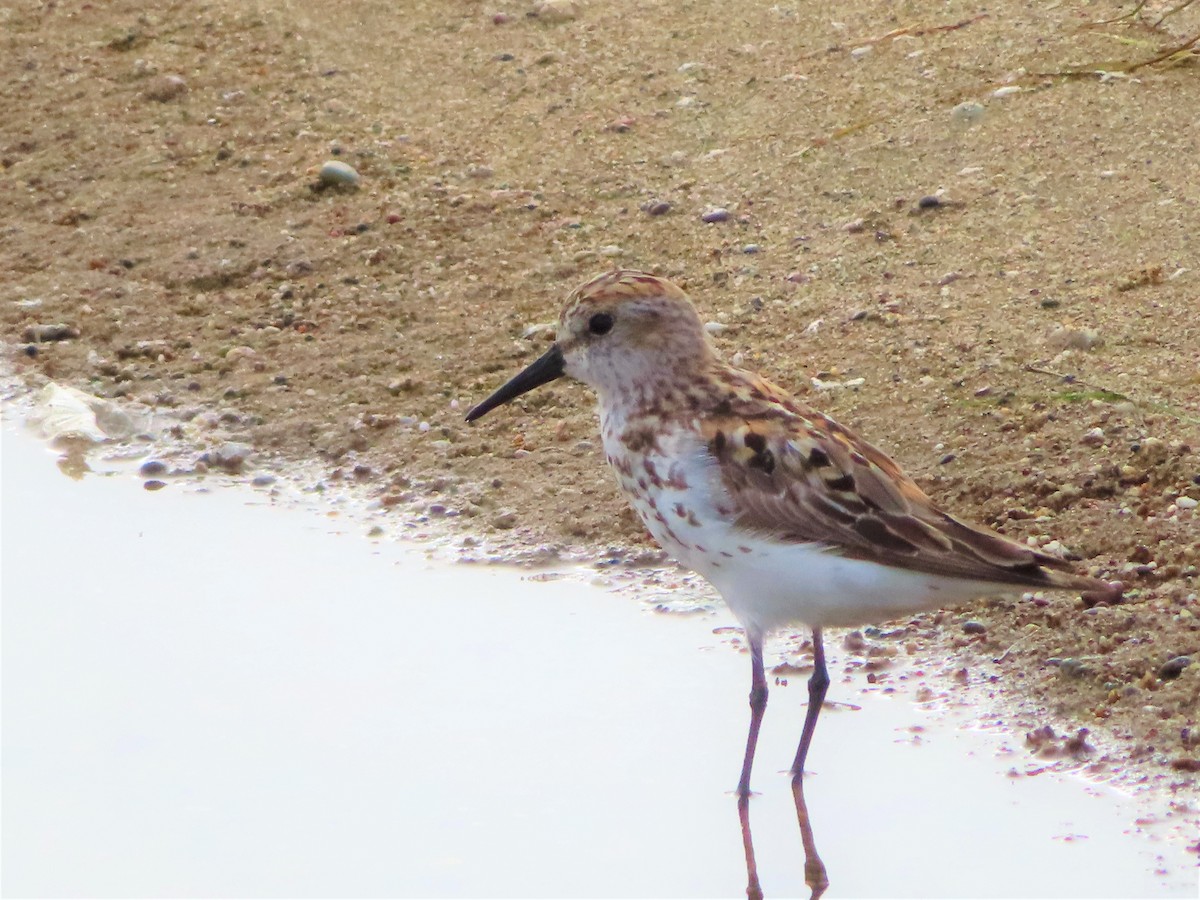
{"x":208,"y":694}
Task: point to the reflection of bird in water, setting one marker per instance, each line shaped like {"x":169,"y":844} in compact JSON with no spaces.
{"x":814,"y":869}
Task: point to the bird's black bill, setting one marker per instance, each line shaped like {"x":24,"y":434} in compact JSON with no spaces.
{"x":543,"y":370}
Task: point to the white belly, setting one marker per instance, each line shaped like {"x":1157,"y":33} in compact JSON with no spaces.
{"x":767,"y":584}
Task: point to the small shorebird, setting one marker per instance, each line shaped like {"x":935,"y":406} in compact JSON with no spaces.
{"x":793,"y":518}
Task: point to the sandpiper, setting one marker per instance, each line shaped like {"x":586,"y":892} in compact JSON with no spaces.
{"x":793,"y":518}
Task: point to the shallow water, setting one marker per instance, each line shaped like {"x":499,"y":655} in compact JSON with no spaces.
{"x":206,"y":694}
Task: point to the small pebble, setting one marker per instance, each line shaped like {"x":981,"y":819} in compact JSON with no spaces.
{"x":1063,"y":338}
{"x":263,"y":480}
{"x":504,"y":520}
{"x":1173,"y":668}
{"x":1006,"y":91}
{"x":1153,"y":451}
{"x":336,"y":173}
{"x":154,"y":485}
{"x":1072,"y":667}
{"x":929,"y":201}
{"x":973,"y":627}
{"x":499,"y":18}
{"x":229,"y":456}
{"x":152,"y":467}
{"x":967,"y":111}
{"x":237,"y":355}
{"x":861,"y":53}
{"x":556,"y":10}
{"x":165,"y":88}
{"x":40,"y":334}
{"x":657,"y":208}
{"x":715,"y":214}
{"x":751,"y":249}
{"x":1187,"y":503}
{"x":1093,"y":438}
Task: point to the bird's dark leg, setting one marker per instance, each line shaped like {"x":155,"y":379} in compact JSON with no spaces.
{"x":817,"y":685}
{"x":758,"y":705}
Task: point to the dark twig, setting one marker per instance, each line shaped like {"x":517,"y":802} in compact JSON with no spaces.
{"x":1139,"y":405}
{"x":1129,"y":15}
{"x":1170,"y":12}
{"x":1071,"y":379}
{"x":1166,"y":54}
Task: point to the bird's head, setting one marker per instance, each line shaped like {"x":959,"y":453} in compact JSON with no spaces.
{"x":624,"y":333}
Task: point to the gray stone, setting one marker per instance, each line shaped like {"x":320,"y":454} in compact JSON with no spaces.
{"x":1173,"y":668}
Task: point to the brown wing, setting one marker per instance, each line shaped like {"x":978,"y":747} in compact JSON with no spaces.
{"x":796,"y":475}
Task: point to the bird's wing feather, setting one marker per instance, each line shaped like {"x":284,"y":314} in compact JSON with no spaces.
{"x":795,"y":475}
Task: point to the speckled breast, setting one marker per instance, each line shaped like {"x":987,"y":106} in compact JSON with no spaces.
{"x":671,"y":481}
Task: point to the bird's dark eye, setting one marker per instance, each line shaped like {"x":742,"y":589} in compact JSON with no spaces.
{"x":600,"y":323}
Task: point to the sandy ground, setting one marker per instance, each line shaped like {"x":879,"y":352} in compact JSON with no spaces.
{"x":1026,"y":345}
